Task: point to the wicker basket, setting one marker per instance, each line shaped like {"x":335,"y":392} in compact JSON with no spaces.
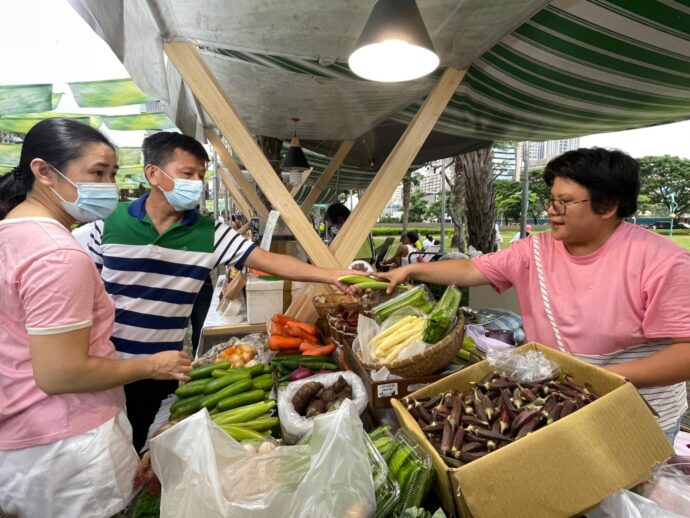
{"x":327,"y":304}
{"x":430,"y":360}
{"x":340,"y":332}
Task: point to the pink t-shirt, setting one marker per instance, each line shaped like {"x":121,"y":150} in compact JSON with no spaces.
{"x":635,"y":288}
{"x":48,"y":285}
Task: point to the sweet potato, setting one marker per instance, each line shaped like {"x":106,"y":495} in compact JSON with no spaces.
{"x":304,"y":395}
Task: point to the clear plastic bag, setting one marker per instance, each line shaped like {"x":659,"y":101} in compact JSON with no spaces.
{"x":670,"y":487}
{"x":204,"y":472}
{"x":257,"y":341}
{"x":418,"y":297}
{"x":484,"y":343}
{"x":293,"y":425}
{"x":526,"y":367}
{"x":626,"y":504}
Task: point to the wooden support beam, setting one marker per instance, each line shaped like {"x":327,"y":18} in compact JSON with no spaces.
{"x":235,"y":193}
{"x":328,"y":173}
{"x":351,"y":235}
{"x":237,"y":174}
{"x":303,"y":179}
{"x":205,"y":87}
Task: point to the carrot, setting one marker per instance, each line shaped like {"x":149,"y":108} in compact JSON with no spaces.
{"x":281,"y":343}
{"x":279,"y":330}
{"x":305,"y":346}
{"x":296,"y":332}
{"x":324,"y":350}
{"x":307,"y":328}
{"x":281,"y":319}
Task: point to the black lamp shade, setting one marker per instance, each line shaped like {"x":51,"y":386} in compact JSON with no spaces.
{"x":397,"y":21}
{"x":294,"y":161}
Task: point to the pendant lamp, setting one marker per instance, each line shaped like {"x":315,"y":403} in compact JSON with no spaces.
{"x":295,"y":161}
{"x":394,"y":45}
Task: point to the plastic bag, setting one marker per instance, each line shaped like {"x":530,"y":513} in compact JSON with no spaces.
{"x":626,"y":504}
{"x":418,"y":297}
{"x":484,"y":343}
{"x":670,"y":487}
{"x":205,"y":472}
{"x":257,"y":341}
{"x":525,"y":367}
{"x":295,"y":426}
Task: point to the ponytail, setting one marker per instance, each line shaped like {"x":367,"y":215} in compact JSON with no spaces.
{"x":14,"y":186}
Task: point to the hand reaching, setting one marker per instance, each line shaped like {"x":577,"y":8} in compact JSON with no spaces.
{"x":169,"y":365}
{"x":395,"y":277}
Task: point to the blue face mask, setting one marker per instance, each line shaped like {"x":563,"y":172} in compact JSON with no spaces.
{"x":186,"y":194}
{"x":94,"y":201}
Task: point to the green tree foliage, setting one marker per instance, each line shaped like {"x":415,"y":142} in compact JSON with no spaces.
{"x":433,"y":211}
{"x":541,"y":192}
{"x":664,"y":176}
{"x":418,"y":206}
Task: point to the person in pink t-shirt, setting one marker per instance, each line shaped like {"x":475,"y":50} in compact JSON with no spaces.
{"x":617,"y":295}
{"x":65,"y":442}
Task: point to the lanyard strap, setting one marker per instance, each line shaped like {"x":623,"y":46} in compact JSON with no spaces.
{"x":545,"y":294}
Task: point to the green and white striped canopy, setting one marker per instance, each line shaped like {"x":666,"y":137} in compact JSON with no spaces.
{"x":537,"y":70}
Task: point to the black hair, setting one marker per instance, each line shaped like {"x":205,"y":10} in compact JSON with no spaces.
{"x":412,"y":236}
{"x":335,"y":211}
{"x":429,"y":237}
{"x":610,"y":177}
{"x":160,"y":147}
{"x":55,"y":140}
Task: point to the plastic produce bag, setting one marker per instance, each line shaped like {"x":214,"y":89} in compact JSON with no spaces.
{"x":204,"y":472}
{"x":626,"y":504}
{"x":670,"y":486}
{"x":484,"y":343}
{"x":528,"y":367}
{"x":293,"y":425}
{"x":418,"y":297}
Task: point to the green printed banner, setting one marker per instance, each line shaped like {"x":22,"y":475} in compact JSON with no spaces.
{"x":105,"y":94}
{"x":129,"y":156}
{"x":25,"y":99}
{"x":23,"y":123}
{"x":9,"y":156}
{"x":141,"y":121}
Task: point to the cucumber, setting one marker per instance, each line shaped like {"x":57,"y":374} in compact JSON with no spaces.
{"x":218,"y":383}
{"x":192,"y":388}
{"x":219,"y":373}
{"x":246,"y":398}
{"x":182,"y":402}
{"x":267,"y":369}
{"x":187,"y":407}
{"x":263,"y":382}
{"x":240,"y":386}
{"x":218,"y":418}
{"x":205,"y":372}
{"x":240,"y":433}
{"x":255,"y":370}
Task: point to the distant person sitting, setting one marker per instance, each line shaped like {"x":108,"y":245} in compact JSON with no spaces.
{"x":402,"y":254}
{"x":336,"y":215}
{"x":516,"y":237}
{"x":429,"y":241}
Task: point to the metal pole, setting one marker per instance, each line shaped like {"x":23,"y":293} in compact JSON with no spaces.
{"x":673,"y":206}
{"x":525,"y":192}
{"x":443,"y":209}
{"x":227,"y":211}
{"x":216,"y":184}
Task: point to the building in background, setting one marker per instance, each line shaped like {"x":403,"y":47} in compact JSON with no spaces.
{"x":539,"y":153}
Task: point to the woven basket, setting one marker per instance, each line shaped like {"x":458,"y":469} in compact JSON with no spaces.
{"x":429,"y":361}
{"x":327,"y":304}
{"x":341,"y":333}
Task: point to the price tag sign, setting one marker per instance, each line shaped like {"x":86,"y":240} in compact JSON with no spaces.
{"x":387,"y":390}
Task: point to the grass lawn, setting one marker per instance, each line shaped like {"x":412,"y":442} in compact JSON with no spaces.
{"x":683,"y":241}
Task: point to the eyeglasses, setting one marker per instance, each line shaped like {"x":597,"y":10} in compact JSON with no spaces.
{"x":560,"y":206}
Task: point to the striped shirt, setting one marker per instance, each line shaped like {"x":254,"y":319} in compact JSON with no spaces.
{"x":669,"y":402}
{"x":154,"y":278}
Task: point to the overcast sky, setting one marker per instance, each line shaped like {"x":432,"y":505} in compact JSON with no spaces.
{"x":46,"y":41}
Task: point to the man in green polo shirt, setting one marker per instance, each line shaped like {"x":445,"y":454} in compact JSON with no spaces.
{"x":156,"y":253}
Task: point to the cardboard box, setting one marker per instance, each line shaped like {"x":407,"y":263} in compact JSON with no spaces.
{"x":381,"y":392}
{"x":264,"y":299}
{"x":563,"y":469}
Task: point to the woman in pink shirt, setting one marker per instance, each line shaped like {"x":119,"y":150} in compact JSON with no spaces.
{"x":65,"y":442}
{"x":617,"y":294}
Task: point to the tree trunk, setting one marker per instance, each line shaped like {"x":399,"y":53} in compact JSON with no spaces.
{"x":271,"y":148}
{"x":457,"y":207}
{"x":406,"y":197}
{"x":481,"y":202}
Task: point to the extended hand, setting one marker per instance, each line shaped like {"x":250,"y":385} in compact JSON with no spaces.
{"x":396,"y":276}
{"x":171,"y":365}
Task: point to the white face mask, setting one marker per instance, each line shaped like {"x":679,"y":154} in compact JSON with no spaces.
{"x":95,"y":200}
{"x":186,"y":194}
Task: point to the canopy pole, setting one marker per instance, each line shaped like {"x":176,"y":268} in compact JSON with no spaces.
{"x":443,"y":210}
{"x":249,"y":193}
{"x":237,"y":196}
{"x":197,"y":75}
{"x":325,"y":178}
{"x":524,"y":205}
{"x":350,"y":238}
{"x":216,"y":186}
